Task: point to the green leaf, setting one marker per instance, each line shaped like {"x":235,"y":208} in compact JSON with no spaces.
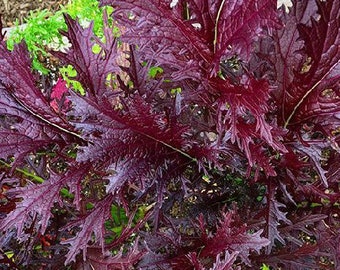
{"x":265,"y":267}
{"x":154,"y":71}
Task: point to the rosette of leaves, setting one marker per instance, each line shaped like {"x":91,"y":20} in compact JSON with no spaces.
{"x":207,"y":138}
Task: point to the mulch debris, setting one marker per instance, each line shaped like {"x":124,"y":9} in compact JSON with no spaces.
{"x":12,"y":10}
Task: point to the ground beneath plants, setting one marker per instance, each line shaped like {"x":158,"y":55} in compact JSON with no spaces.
{"x":12,"y":10}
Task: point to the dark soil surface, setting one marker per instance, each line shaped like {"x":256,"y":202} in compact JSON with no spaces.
{"x":19,"y":9}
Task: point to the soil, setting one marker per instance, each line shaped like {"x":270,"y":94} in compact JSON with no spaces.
{"x":19,"y":9}
{"x":13,"y":10}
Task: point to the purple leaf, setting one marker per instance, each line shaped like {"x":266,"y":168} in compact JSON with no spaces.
{"x":18,"y":85}
{"x":193,"y":259}
{"x":274,"y":216}
{"x":311,"y":66}
{"x":207,"y":28}
{"x":92,"y":223}
{"x":233,"y":239}
{"x":226,"y":263}
{"x":37,"y":202}
{"x":92,"y":68}
{"x":18,"y":144}
{"x":119,"y":261}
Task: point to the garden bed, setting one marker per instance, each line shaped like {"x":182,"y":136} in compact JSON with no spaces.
{"x":13,"y":10}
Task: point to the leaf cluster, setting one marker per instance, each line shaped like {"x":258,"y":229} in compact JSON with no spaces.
{"x":207,"y":137}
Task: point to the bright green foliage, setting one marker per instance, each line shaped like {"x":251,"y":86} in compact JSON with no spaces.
{"x":154,"y":71}
{"x":41,"y":30}
{"x":120,"y":219}
{"x":87,"y":11}
{"x":265,"y":267}
{"x":69,"y":73}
